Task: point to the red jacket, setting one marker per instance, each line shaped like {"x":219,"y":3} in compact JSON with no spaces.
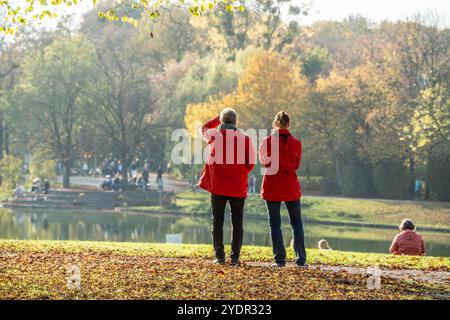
{"x":280,"y":182}
{"x":408,"y":242}
{"x":224,"y":173}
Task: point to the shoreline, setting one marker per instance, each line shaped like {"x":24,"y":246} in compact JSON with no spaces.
{"x":251,"y":217}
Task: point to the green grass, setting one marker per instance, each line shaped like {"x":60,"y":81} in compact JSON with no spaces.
{"x":330,"y":209}
{"x":249,"y":253}
{"x":3,"y":195}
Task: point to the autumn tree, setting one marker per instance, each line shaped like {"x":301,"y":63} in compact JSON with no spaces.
{"x":54,"y":103}
{"x":269,"y":83}
{"x":122,"y":94}
{"x":420,"y":60}
{"x":338,"y":121}
{"x":9,"y":68}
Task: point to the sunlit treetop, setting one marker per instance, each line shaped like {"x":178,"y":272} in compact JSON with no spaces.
{"x":15,"y":13}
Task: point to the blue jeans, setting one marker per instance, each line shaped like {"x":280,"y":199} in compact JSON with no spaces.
{"x":295,"y":218}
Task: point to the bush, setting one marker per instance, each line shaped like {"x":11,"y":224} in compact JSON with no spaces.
{"x":312,"y":185}
{"x":354,"y":176}
{"x":11,"y":172}
{"x":439,"y":175}
{"x":329,"y":186}
{"x":389,"y":179}
{"x":43,"y":169}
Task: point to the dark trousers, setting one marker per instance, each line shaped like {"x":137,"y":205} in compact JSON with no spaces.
{"x":218,"y":204}
{"x":295,"y":218}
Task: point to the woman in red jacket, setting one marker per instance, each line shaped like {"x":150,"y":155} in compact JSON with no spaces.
{"x":281,"y":154}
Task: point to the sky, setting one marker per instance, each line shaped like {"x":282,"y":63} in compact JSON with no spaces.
{"x":375,"y":10}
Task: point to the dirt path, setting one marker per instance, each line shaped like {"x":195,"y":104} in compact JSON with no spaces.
{"x":438,"y":277}
{"x":170,"y":183}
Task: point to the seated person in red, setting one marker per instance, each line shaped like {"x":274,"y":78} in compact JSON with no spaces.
{"x":408,"y":242}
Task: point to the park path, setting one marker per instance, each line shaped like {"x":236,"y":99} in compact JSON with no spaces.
{"x":179,"y":185}
{"x":439,"y":277}
{"x":170,"y":183}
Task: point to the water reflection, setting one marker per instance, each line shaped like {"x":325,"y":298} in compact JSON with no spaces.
{"x":106,"y":226}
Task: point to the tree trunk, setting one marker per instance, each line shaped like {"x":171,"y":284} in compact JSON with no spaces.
{"x":1,"y":137}
{"x":66,"y":174}
{"x":124,"y":161}
{"x":6,"y":140}
{"x":427,"y":179}
{"x":411,"y":176}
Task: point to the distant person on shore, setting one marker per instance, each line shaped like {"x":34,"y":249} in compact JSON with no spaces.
{"x":36,"y":186}
{"x":145,"y":175}
{"x":225,"y":176}
{"x":252,"y":184}
{"x":36,"y":189}
{"x":159,"y":173}
{"x":19,"y":192}
{"x":417,"y":190}
{"x":133,"y":171}
{"x":117,"y":182}
{"x":46,"y":186}
{"x":160,"y":185}
{"x":85,"y":169}
{"x":281,"y":185}
{"x":107,"y":184}
{"x":408,"y":241}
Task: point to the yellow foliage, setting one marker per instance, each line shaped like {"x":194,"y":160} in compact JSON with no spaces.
{"x":269,"y":83}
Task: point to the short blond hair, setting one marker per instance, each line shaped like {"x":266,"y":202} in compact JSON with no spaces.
{"x":281,"y":121}
{"x":228,"y":115}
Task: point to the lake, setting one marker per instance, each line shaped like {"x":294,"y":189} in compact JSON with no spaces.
{"x":119,"y":226}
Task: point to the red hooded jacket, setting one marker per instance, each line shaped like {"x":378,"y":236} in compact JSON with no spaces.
{"x":280,"y":181}
{"x":226,"y":173}
{"x":408,"y":242}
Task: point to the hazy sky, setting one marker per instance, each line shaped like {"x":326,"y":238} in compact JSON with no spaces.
{"x":375,"y":10}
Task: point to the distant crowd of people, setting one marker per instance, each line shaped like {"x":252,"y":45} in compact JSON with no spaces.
{"x":113,"y":172}
{"x":38,"y":188}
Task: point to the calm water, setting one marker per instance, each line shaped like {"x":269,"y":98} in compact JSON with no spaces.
{"x":100,"y":226}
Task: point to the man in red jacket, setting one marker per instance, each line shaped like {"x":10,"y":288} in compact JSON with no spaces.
{"x":225,"y":175}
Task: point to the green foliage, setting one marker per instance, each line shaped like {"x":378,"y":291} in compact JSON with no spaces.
{"x":315,"y":62}
{"x":313,"y":184}
{"x":54,"y":82}
{"x":32,"y":10}
{"x":11,"y":173}
{"x":431,"y":119}
{"x":439,"y":174}
{"x":354,"y":176}
{"x":43,"y":169}
{"x":389,"y":179}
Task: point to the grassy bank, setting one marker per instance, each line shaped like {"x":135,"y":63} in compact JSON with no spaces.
{"x":329,"y":209}
{"x":38,"y":270}
{"x":3,"y":195}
